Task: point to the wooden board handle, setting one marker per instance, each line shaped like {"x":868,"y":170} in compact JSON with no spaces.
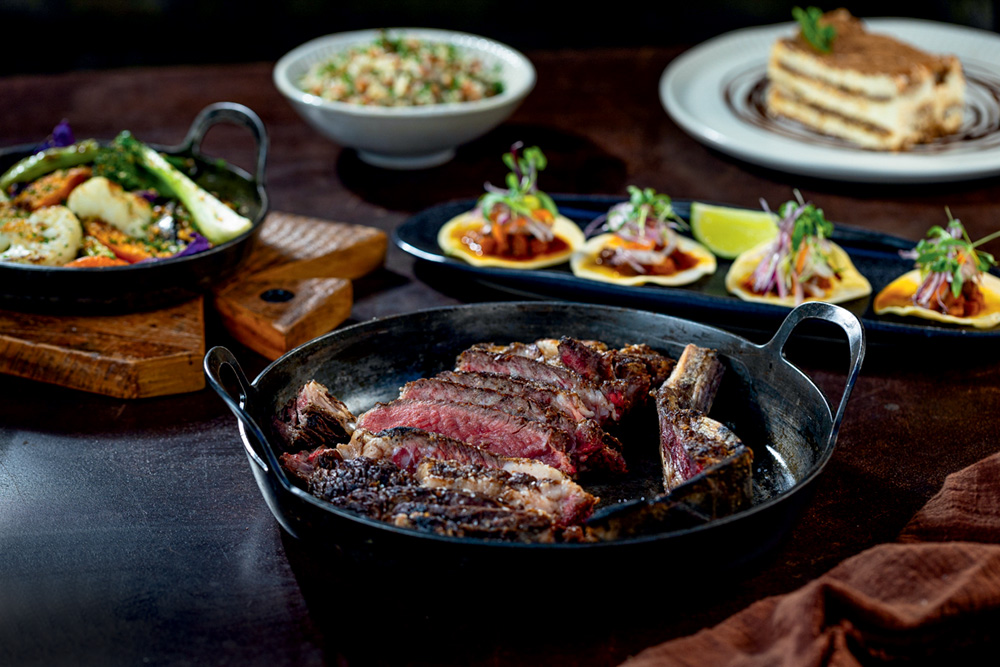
{"x":296,"y":286}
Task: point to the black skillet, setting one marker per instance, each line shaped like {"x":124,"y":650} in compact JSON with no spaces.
{"x":773,"y":406}
{"x":152,"y":284}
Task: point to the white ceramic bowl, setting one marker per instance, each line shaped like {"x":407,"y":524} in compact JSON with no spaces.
{"x":406,"y":137}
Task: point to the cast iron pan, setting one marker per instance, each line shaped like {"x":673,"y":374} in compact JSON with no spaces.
{"x":773,"y":406}
{"x":151,"y":284}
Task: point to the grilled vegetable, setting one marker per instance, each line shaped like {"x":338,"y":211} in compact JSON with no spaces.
{"x":46,"y":161}
{"x":214,"y":220}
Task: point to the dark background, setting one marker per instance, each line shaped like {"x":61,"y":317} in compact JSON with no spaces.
{"x":63,"y":35}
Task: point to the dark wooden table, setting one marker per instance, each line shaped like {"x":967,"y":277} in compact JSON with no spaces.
{"x":133,"y":533}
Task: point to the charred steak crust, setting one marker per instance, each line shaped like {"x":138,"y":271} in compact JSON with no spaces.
{"x":381,"y":490}
{"x":551,"y":490}
{"x":564,"y":501}
{"x":496,"y":522}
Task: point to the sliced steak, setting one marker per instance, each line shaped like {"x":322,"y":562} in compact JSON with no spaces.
{"x":549,"y":396}
{"x":407,"y":447}
{"x":606,"y":402}
{"x":495,"y":431}
{"x":695,"y":379}
{"x":381,"y":490}
{"x":635,"y":368}
{"x":565,"y":501}
{"x":590,"y":362}
{"x":592,"y":448}
{"x":314,"y":418}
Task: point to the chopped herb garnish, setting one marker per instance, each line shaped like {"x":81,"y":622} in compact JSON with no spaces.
{"x":820,"y":37}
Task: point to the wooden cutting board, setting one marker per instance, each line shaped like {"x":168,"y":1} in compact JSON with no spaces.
{"x":296,"y":285}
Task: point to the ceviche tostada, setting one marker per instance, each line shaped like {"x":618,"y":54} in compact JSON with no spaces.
{"x":642,"y":245}
{"x":951,"y":282}
{"x":800,"y":264}
{"x":517,"y":227}
{"x":85,"y":205}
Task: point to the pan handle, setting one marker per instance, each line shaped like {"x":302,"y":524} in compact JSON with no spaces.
{"x":217,"y":359}
{"x":855,"y":338}
{"x":237,"y":114}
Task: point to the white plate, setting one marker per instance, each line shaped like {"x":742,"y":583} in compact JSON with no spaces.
{"x":715,"y":92}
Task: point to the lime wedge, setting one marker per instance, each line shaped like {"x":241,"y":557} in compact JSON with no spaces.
{"x":729,"y":231}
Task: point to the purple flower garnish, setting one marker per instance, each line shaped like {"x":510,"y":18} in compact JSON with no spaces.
{"x":62,"y":135}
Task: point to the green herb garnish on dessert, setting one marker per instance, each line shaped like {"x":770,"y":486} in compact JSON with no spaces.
{"x":820,"y":37}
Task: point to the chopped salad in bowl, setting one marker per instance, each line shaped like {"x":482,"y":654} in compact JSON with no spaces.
{"x":404,"y":98}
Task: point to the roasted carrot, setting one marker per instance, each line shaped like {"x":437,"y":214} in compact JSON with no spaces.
{"x":800,"y":258}
{"x":51,"y":189}
{"x":124,"y":246}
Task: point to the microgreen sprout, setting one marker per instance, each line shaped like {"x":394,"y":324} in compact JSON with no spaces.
{"x":522,"y":196}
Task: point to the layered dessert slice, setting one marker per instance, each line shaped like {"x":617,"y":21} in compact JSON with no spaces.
{"x":869,"y":89}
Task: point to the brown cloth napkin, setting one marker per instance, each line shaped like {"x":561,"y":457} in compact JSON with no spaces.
{"x":933,"y":597}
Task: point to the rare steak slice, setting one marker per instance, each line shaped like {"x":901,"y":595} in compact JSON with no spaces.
{"x":606,"y":402}
{"x":562,"y":499}
{"x":406,"y":447}
{"x":592,"y":448}
{"x":314,"y":418}
{"x":695,"y":379}
{"x":495,"y":431}
{"x":549,"y":396}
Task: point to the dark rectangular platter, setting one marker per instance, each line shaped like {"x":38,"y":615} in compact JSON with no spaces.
{"x":875,"y":255}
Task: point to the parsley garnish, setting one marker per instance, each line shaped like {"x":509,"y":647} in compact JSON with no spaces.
{"x":819,"y":37}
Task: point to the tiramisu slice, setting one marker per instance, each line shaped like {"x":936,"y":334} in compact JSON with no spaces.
{"x":869,"y":89}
